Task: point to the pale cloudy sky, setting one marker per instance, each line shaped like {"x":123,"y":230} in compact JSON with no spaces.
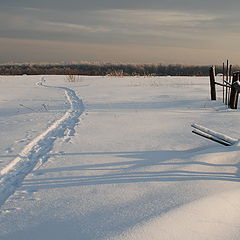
{"x":138,"y":31}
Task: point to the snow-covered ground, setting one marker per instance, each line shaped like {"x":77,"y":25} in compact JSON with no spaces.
{"x":106,"y":158}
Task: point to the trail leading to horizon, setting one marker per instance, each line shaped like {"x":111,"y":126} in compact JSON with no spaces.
{"x":13,"y":174}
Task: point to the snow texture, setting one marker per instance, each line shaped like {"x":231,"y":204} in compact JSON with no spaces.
{"x":12,"y":175}
{"x":125,"y":165}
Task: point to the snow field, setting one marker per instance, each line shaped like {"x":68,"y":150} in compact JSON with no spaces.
{"x":132,"y":169}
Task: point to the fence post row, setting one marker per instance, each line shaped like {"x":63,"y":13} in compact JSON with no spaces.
{"x":231,"y":86}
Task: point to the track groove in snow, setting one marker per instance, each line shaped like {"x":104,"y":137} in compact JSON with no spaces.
{"x":13,"y":174}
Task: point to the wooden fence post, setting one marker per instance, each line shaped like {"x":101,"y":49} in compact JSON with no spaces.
{"x":230,"y":82}
{"x":223,"y":73}
{"x":212,"y":83}
{"x":226,"y":89}
{"x":234,"y":93}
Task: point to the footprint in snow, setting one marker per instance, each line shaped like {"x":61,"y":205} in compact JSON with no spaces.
{"x":9,"y":150}
{"x":9,"y":210}
{"x":67,"y":140}
{"x":22,"y":140}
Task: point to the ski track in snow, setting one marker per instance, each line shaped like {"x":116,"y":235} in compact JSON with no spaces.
{"x":13,"y":174}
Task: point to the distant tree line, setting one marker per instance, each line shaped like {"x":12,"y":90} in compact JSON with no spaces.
{"x":108,"y":69}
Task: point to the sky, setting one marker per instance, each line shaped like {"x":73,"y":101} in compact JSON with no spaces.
{"x":198,"y":32}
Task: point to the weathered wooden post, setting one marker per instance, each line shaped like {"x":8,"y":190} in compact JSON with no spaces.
{"x":223,"y":79}
{"x":226,"y":89}
{"x":234,"y":93}
{"x":230,"y":82}
{"x":212,"y":83}
{"x":230,"y":74}
{"x":236,"y":85}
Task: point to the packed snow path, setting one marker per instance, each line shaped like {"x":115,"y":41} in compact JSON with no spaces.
{"x":36,"y":151}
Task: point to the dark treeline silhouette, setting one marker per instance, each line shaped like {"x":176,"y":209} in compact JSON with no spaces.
{"x":108,"y":69}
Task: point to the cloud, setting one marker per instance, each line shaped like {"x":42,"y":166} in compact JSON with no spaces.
{"x":181,"y":24}
{"x":31,"y":9}
{"x":203,"y":5}
{"x":66,"y":27}
{"x":117,"y":26}
{"x":209,"y":6}
{"x":20,"y":24}
{"x":49,"y":51}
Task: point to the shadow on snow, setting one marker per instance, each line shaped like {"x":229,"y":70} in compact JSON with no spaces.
{"x":133,"y":170}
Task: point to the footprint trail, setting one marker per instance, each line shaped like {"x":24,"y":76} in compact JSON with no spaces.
{"x":13,"y":174}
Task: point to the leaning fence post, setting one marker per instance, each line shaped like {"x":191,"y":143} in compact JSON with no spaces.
{"x":223,"y":79}
{"x":212,"y":83}
{"x":234,"y":93}
{"x":237,"y":94}
{"x":226,"y":89}
{"x":230,"y":82}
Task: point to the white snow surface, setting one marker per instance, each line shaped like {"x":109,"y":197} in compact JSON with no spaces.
{"x":107,"y":158}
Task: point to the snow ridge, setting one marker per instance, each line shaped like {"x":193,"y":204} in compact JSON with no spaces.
{"x":14,"y":173}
